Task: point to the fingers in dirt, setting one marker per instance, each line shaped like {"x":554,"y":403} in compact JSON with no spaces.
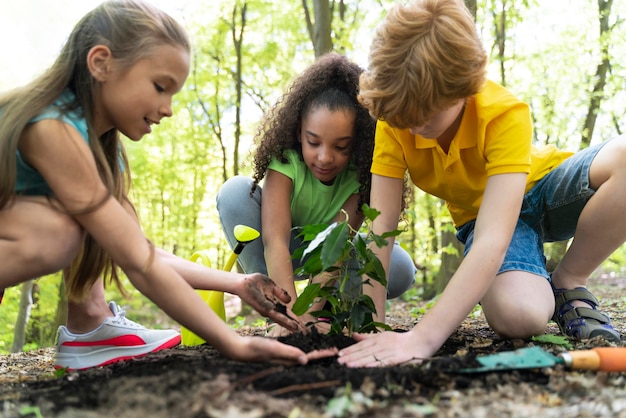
{"x":320,"y":354}
{"x":286,"y":321}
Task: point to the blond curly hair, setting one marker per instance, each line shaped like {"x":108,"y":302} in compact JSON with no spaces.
{"x":425,"y":56}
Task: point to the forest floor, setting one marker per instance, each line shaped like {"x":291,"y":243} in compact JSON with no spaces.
{"x":199,"y":382}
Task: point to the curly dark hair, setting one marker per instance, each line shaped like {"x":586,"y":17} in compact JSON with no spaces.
{"x":331,"y":82}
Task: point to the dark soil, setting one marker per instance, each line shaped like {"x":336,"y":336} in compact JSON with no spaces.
{"x":199,"y":382}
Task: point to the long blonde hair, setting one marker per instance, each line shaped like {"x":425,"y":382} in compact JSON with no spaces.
{"x":132,"y":29}
{"x":424,"y":56}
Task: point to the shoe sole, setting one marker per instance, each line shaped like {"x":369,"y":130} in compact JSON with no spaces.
{"x":107,"y":356}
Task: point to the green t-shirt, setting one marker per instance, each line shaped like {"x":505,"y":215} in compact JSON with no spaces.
{"x":313,"y":202}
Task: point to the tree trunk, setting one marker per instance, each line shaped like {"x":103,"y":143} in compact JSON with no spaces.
{"x":604,"y":12}
{"x":319,"y":27}
{"x":450,"y":260}
{"x":26,"y":304}
{"x":238,"y":43}
{"x":61,"y":315}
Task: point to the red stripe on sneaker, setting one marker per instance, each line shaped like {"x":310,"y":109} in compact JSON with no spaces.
{"x":168,"y":344}
{"x":122,"y":341}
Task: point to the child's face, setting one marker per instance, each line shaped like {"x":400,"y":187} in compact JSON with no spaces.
{"x":439,"y":122}
{"x":135,"y":98}
{"x":326,"y":138}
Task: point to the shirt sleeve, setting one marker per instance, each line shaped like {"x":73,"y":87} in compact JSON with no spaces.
{"x":508,"y":139}
{"x":288,"y":168}
{"x":388,"y":159}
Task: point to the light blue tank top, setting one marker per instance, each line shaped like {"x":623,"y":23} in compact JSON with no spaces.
{"x":28,"y":180}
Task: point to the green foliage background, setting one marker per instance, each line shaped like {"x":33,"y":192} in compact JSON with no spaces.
{"x":552,"y":50}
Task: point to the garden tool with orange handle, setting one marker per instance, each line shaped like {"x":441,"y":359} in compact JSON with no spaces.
{"x":607,"y":359}
{"x":214,"y":298}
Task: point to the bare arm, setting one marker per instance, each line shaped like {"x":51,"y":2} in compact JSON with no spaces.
{"x":276,"y":220}
{"x":58,"y":152}
{"x":386,"y":197}
{"x":495,"y":224}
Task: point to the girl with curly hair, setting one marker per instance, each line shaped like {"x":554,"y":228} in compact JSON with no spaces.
{"x":314,"y":154}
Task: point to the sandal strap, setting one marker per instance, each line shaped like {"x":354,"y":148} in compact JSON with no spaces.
{"x":579,"y":293}
{"x":586,"y":313}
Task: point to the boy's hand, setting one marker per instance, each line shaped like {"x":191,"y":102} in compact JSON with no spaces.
{"x":265,"y":296}
{"x":382,"y":350}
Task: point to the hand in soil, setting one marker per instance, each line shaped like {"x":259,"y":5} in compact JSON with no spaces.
{"x":379,"y":350}
{"x":265,"y":296}
{"x":276,"y":331}
{"x":261,"y":349}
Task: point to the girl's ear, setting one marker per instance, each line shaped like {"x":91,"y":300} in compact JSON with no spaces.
{"x":99,"y":61}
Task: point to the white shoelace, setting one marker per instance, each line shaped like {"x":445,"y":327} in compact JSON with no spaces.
{"x":120,"y":317}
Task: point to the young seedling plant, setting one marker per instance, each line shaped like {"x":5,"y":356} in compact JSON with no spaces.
{"x":344,"y":258}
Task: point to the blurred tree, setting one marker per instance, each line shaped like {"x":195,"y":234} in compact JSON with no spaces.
{"x":23,"y":316}
{"x":597,"y":93}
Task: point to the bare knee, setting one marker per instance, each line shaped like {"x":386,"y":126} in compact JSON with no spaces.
{"x":608,"y":163}
{"x":518,"y":322}
{"x":56,"y":243}
{"x":518,"y":305}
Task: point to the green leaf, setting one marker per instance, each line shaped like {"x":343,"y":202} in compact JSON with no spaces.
{"x":374,"y":269}
{"x":336,"y":327}
{"x":324,"y":313}
{"x":339,"y":407}
{"x":380,"y":325}
{"x":334,"y":245}
{"x":361,"y":246}
{"x":30,"y":410}
{"x":309,"y":232}
{"x":370,"y":213}
{"x":367,"y":301}
{"x":393,"y":233}
{"x":313,"y":264}
{"x":306,"y":299}
{"x":297,"y":254}
{"x":552,"y":339}
{"x":357,"y":316}
{"x":380,"y":241}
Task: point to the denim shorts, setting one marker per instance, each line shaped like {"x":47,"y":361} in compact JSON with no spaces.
{"x":549,"y":213}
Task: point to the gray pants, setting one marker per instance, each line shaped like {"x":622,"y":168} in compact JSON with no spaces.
{"x":235,"y":206}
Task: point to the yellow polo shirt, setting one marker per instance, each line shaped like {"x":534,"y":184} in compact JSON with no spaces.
{"x":494,"y":137}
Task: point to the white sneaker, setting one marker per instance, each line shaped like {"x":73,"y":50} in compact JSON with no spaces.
{"x":116,"y":339}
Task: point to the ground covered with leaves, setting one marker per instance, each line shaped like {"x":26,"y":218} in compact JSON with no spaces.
{"x":199,"y":382}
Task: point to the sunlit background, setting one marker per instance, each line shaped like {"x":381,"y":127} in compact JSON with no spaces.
{"x":33,"y":31}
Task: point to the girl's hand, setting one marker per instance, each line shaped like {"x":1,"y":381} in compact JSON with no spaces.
{"x":276,"y":331}
{"x":309,"y":321}
{"x":382,"y":350}
{"x":262,"y":349}
{"x":265,"y":296}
